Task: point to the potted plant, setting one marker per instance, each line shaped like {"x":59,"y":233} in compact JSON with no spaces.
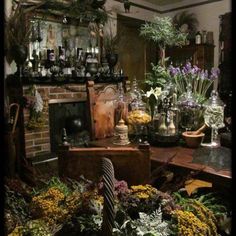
{"x":163,"y":32}
{"x":110,"y":42}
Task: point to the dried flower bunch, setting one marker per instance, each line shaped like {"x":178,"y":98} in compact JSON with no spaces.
{"x":110,"y":38}
{"x":17,"y":31}
{"x":71,"y":207}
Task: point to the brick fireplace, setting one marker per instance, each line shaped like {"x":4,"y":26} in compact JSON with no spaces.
{"x":37,"y":142}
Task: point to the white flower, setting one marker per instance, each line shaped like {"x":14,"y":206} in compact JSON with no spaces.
{"x":156,"y":92}
{"x":38,"y":106}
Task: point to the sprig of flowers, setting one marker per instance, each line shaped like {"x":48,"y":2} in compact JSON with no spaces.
{"x":200,"y":80}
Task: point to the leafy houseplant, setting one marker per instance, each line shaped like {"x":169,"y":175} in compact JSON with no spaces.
{"x":163,"y":32}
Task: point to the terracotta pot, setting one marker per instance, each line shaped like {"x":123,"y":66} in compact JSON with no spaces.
{"x":193,"y":140}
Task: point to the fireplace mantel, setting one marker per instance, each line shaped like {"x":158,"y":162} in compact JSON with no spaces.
{"x":37,"y":142}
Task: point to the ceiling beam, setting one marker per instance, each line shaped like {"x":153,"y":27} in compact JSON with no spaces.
{"x":172,"y":9}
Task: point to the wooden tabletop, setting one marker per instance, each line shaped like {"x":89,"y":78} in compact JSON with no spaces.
{"x":175,"y":156}
{"x":183,"y":157}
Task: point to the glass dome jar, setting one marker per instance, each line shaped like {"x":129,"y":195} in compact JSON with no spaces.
{"x":138,"y":118}
{"x":188,"y":110}
{"x":214,"y":117}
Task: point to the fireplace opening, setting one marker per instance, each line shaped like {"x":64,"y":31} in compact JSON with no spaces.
{"x":71,"y":116}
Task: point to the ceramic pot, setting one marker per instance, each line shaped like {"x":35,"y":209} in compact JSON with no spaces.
{"x":74,"y":124}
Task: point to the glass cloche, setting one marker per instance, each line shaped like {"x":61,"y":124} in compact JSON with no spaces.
{"x":138,"y":118}
{"x":189,"y":109}
{"x":214,"y":117}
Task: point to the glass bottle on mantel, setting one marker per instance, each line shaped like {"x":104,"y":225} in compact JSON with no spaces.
{"x":214,"y":117}
{"x":198,"y":38}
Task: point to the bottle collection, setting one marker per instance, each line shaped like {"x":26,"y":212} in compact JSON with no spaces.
{"x":58,"y":63}
{"x":204,"y":37}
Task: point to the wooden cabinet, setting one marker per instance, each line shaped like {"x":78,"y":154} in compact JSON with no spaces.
{"x":201,"y":55}
{"x":74,"y":162}
{"x":225,"y":63}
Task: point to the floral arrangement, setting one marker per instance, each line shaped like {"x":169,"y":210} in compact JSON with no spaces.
{"x":69,"y":207}
{"x":200,"y":80}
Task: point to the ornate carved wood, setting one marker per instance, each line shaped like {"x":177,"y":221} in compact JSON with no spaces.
{"x":102,"y":109}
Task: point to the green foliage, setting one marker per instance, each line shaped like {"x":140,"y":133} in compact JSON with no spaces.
{"x":53,"y":182}
{"x":158,"y":77}
{"x":146,"y":225}
{"x":16,"y":204}
{"x":163,"y":32}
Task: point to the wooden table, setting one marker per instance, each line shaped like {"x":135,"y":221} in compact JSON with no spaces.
{"x":180,"y":159}
{"x":183,"y":157}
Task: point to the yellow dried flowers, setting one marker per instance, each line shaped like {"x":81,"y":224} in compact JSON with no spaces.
{"x":47,"y":206}
{"x":205,"y":215}
{"x":198,"y":220}
{"x":138,"y":117}
{"x":143,"y":191}
{"x":189,"y":225}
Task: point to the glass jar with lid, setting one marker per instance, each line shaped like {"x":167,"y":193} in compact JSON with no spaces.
{"x":214,"y":117}
{"x":188,"y":110}
{"x":138,"y":118}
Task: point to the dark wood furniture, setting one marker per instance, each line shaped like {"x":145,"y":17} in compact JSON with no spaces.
{"x":201,"y":55}
{"x":131,"y":164}
{"x":177,"y":159}
{"x":183,"y":158}
{"x":101,"y":106}
{"x":225,"y":62}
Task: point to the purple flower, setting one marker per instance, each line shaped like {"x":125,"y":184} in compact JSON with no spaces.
{"x":196,"y":69}
{"x":173,"y":71}
{"x":121,"y":187}
{"x":188,"y":67}
{"x":214,"y":73}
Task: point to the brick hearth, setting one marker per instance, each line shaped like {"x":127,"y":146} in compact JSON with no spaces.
{"x":37,"y":142}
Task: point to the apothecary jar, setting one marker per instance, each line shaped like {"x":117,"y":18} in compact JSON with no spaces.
{"x":214,"y":117}
{"x":138,"y":119}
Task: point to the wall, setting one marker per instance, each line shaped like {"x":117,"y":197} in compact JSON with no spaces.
{"x":207,"y":15}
